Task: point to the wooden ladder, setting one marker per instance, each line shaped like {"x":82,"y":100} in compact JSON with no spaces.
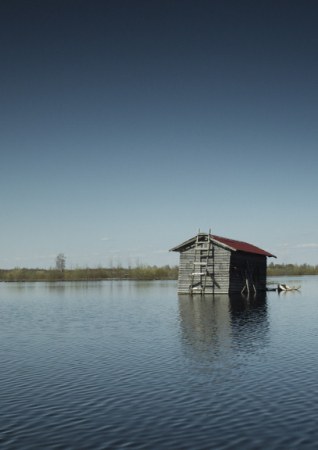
{"x":202,"y":251}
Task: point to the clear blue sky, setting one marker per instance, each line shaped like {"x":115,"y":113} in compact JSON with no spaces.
{"x":128,"y":125}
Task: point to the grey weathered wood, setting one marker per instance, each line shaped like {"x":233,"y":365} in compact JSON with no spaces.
{"x":225,"y":271}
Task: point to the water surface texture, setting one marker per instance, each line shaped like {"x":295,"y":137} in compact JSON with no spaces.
{"x":121,"y":364}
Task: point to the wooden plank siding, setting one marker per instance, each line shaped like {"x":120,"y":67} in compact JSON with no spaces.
{"x":212,"y":264}
{"x":218,"y":268}
{"x":242,"y":262}
{"x":227,"y":271}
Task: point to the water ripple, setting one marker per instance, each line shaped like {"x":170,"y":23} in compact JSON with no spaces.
{"x":131,"y":366}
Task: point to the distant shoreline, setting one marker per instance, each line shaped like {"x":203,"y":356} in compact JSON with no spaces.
{"x":291,"y":269}
{"x":90,"y":274}
{"x":130,"y":273}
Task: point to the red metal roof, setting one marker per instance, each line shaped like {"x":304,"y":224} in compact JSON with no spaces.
{"x":241,"y":246}
{"x":231,"y":244}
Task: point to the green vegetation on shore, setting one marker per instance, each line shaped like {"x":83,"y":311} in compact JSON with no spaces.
{"x":131,"y":273}
{"x":83,"y":274}
{"x":291,"y":269}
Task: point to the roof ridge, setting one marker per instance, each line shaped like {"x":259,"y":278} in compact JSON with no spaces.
{"x":231,"y":244}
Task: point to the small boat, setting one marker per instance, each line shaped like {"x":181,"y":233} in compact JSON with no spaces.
{"x":285,"y":287}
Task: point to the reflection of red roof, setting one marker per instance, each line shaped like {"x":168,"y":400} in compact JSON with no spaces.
{"x":240,"y":246}
{"x":231,"y":244}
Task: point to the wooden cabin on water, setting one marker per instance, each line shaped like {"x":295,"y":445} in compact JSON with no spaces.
{"x":212,"y":264}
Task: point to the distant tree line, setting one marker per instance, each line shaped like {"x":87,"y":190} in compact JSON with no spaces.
{"x":291,"y":269}
{"x":100,"y":273}
{"x":142,"y":272}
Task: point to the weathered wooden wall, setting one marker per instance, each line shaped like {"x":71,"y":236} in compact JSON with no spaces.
{"x":218,"y":268}
{"x":247,"y":264}
{"x":227,"y":271}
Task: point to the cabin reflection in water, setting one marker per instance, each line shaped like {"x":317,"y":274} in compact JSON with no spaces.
{"x":213,"y":327}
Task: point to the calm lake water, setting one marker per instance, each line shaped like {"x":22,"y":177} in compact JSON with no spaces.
{"x":130,"y":365}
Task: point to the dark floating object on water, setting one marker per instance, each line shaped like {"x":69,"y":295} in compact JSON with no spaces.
{"x":285,"y":287}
